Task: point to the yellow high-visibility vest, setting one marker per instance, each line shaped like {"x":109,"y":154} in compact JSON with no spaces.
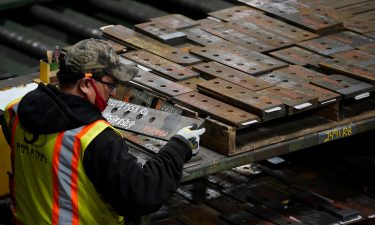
{"x":49,"y":184}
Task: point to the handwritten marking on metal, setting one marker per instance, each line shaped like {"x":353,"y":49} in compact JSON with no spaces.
{"x":167,"y":68}
{"x":147,"y":121}
{"x":298,"y":56}
{"x":232,"y":75}
{"x":248,"y":62}
{"x":217,"y":109}
{"x":245,"y":98}
{"x":175,"y":21}
{"x":325,"y":46}
{"x":161,"y":84}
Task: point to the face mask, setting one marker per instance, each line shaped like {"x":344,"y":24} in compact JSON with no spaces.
{"x":99,"y":100}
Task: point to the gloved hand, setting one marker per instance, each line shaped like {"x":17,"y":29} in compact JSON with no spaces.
{"x":192,"y":137}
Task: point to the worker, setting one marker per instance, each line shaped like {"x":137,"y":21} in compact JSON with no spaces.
{"x":69,"y":165}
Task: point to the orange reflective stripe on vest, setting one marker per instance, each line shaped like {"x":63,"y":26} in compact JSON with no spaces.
{"x":65,"y":166}
{"x":50,"y":175}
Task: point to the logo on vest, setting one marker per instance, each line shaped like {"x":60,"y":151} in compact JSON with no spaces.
{"x":31,"y":152}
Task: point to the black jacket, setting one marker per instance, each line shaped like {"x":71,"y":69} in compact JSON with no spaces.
{"x":131,"y":189}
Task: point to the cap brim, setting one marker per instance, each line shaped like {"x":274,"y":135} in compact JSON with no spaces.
{"x":121,"y":72}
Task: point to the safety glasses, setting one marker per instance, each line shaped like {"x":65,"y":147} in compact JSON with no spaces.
{"x":111,"y":86}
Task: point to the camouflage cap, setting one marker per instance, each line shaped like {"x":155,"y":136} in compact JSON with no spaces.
{"x":97,"y":57}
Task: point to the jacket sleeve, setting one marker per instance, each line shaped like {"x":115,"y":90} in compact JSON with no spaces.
{"x":131,"y":189}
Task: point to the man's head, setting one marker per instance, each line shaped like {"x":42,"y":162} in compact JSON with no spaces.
{"x":93,"y":68}
{"x":98,"y":58}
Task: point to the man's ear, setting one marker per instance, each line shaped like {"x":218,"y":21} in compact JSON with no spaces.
{"x":85,"y":85}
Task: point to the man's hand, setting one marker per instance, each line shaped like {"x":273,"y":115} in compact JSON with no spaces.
{"x":192,"y":137}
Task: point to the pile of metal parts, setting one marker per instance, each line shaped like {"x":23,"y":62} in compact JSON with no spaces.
{"x":302,"y":188}
{"x":253,"y":63}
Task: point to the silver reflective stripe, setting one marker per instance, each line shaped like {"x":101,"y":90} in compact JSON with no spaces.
{"x":64,"y":176}
{"x":15,"y":107}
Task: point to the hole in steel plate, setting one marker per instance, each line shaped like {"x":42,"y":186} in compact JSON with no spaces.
{"x":152,"y":119}
{"x":139,"y":116}
{"x":114,"y":110}
{"x":126,"y":113}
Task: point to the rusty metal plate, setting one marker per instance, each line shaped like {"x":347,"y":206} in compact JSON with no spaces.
{"x":351,"y":38}
{"x":301,"y":15}
{"x":152,"y":145}
{"x":325,"y":46}
{"x":191,"y":83}
{"x":297,"y":101}
{"x":260,"y":33}
{"x":202,"y":37}
{"x":234,"y":76}
{"x":348,"y":87}
{"x":298,"y":56}
{"x":286,"y":80}
{"x":341,"y":3}
{"x":146,"y":121}
{"x":240,"y":38}
{"x":325,"y":97}
{"x":360,"y":25}
{"x":217,"y":109}
{"x":358,"y":8}
{"x":160,"y":84}
{"x":263,"y":106}
{"x":175,"y":21}
{"x":139,"y":41}
{"x":372,"y":34}
{"x":162,"y":33}
{"x":299,"y":72}
{"x":370,"y":48}
{"x":361,"y":57}
{"x":209,"y":22}
{"x":280,"y":27}
{"x":246,"y":61}
{"x":162,"y":66}
{"x":350,"y":69}
{"x":119,"y":48}
{"x":234,"y":13}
